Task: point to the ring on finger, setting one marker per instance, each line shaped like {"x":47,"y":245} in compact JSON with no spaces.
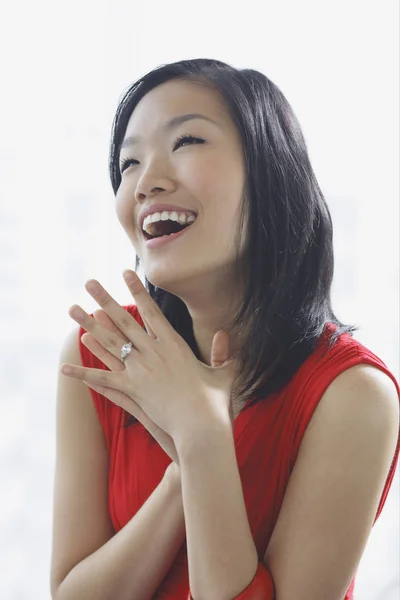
{"x":125,"y":350}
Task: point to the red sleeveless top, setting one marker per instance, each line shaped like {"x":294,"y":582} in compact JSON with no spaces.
{"x":267,"y":440}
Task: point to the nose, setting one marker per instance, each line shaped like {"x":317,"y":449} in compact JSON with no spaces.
{"x":152,"y":182}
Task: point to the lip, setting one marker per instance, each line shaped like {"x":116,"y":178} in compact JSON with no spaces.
{"x":153,"y":208}
{"x":159,"y":241}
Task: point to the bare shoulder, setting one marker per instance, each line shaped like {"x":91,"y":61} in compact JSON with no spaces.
{"x":364,"y":398}
{"x":380,"y":390}
{"x":81,"y":522}
{"x":335,"y":487}
{"x":74,"y":400}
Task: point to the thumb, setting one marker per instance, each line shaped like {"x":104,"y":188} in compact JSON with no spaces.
{"x":220,"y":349}
{"x":219,"y":356}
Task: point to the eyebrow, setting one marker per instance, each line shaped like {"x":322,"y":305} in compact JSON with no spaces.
{"x":171,"y":124}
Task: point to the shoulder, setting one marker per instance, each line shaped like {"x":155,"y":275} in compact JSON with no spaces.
{"x":343,"y":469}
{"x":357,"y":420}
{"x":342,"y":381}
{"x":70,"y":347}
{"x":364,"y":396}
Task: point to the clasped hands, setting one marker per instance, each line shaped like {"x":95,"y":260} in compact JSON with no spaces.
{"x":161,"y":382}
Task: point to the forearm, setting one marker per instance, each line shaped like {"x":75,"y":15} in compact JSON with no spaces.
{"x":221,"y":552}
{"x":132,"y":564}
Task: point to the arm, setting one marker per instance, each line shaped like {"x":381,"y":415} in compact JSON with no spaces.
{"x":328,"y":509}
{"x":221,"y":552}
{"x":334,"y":491}
{"x":89,"y":561}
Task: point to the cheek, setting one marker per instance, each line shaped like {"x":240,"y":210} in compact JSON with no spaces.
{"x":121,"y":212}
{"x":123,"y":207}
{"x":215,"y":178}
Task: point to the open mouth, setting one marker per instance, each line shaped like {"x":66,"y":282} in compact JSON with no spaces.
{"x":163,"y":224}
{"x":163,"y":228}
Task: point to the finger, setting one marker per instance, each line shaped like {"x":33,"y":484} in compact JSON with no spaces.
{"x":98,"y":377}
{"x":147,"y":326}
{"x":102,"y":317}
{"x":110,"y":341}
{"x":220,"y":349}
{"x":148,"y":308}
{"x":102,"y":354}
{"x":119,"y":399}
{"x":134,"y":409}
{"x":231,"y":413}
{"x":120,"y":317}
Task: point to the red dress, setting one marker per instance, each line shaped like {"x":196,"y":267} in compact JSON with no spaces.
{"x":267,"y":439}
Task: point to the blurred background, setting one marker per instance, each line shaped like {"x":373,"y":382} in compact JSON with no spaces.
{"x":64,"y":65}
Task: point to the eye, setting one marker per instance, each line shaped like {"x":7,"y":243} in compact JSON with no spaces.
{"x":180,"y":141}
{"x":187,"y":138}
{"x":125,"y":163}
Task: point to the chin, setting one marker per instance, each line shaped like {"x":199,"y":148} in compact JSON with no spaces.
{"x":179,"y":282}
{"x":162,"y":279}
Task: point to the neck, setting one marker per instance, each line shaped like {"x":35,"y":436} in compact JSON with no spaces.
{"x":212,"y":308}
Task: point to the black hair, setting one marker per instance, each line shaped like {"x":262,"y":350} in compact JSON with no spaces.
{"x":287,"y":264}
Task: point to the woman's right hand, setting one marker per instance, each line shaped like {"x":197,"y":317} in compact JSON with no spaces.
{"x":219,"y":354}
{"x":119,"y":398}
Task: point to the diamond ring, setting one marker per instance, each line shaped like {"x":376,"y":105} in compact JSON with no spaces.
{"x":125,"y":350}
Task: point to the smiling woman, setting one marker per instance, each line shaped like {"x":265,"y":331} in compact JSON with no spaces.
{"x":223,"y":436}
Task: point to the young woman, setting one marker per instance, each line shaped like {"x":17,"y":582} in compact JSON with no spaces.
{"x":224,"y":436}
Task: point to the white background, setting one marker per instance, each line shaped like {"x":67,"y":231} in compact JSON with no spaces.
{"x":63,"y":67}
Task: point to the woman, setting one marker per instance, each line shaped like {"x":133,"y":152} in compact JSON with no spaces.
{"x":224,"y":436}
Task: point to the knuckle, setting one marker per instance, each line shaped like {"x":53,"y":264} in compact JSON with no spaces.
{"x":103,"y":379}
{"x":111,"y":342}
{"x":148,"y":312}
{"x":136,"y":287}
{"x":124,"y":322}
{"x":104,"y":298}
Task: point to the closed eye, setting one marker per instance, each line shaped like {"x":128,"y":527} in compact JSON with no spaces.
{"x":181,"y":141}
{"x":126,"y":162}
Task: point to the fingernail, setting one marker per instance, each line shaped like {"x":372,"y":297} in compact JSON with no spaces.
{"x":92,"y":287}
{"x":77,"y":312}
{"x":129,"y":276}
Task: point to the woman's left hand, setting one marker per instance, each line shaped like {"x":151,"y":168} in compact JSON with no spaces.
{"x":162,"y":375}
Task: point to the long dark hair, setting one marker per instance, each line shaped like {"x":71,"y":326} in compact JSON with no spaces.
{"x":287,"y":264}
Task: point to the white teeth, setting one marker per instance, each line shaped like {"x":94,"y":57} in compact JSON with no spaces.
{"x":165,"y":215}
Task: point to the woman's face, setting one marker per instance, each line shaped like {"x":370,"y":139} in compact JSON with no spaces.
{"x":205,"y":176}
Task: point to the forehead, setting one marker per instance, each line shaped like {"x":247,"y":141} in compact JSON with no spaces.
{"x":174,"y":98}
